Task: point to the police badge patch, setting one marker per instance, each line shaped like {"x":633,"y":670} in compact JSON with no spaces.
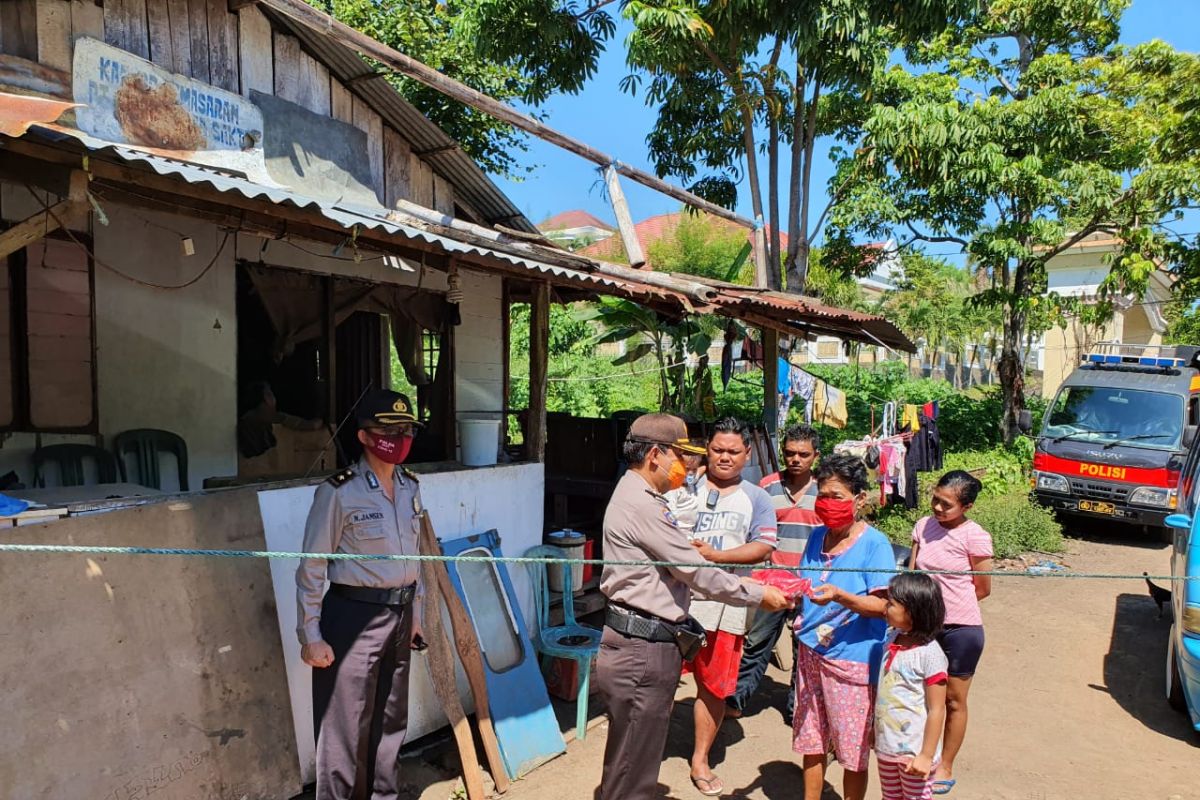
{"x":670,"y":518}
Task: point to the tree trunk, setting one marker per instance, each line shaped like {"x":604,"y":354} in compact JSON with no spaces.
{"x":798,"y":271}
{"x":761,"y":277}
{"x":795,"y":275}
{"x":774,"y":279}
{"x":1012,"y":373}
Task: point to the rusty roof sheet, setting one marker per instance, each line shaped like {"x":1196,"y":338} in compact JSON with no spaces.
{"x":678,"y":294}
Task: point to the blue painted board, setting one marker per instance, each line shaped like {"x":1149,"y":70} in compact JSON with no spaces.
{"x":526,"y":727}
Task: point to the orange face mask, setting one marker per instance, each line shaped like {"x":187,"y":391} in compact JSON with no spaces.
{"x":677,"y":474}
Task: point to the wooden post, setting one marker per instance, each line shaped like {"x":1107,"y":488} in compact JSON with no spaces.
{"x":364,"y":45}
{"x":441,"y":671}
{"x":328,"y":349}
{"x":469,"y":652}
{"x":539,"y":346}
{"x":633,"y":248}
{"x":760,"y":258}
{"x":52,"y":217}
{"x":770,"y":338}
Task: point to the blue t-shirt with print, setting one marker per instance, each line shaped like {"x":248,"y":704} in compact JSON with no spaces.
{"x":835,"y":631}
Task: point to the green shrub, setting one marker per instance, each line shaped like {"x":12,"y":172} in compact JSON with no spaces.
{"x":1017,"y":524}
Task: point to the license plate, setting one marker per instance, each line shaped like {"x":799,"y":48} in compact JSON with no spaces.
{"x":1097,"y":507}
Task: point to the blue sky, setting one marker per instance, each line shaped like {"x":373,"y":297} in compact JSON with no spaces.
{"x":617,"y":123}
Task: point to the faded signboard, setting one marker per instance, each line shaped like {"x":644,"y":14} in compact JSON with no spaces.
{"x":127,"y":100}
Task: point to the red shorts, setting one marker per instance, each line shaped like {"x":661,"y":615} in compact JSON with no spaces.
{"x":716,"y":667}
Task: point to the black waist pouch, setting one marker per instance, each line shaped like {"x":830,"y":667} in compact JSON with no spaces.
{"x":690,"y":638}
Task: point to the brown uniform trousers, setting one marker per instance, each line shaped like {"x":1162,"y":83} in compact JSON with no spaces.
{"x":360,"y":703}
{"x":637,"y":679}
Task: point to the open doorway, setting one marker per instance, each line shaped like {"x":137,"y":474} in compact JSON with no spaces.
{"x":310,"y":346}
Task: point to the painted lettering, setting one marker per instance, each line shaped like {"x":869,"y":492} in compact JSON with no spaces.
{"x":1102,"y":471}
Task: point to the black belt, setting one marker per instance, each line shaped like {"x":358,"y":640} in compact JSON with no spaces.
{"x":380,"y":597}
{"x":632,"y":623}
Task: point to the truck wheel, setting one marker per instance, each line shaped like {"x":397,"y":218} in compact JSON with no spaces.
{"x":1175,"y":697}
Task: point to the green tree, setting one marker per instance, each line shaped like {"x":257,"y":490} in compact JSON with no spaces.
{"x":732,"y":80}
{"x":1183,"y":323}
{"x":1017,"y":136}
{"x":704,"y":246}
{"x":431,"y":32}
{"x":932,"y":303}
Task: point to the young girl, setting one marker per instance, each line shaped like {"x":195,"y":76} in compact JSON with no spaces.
{"x":910,"y":702}
{"x":949,"y":541}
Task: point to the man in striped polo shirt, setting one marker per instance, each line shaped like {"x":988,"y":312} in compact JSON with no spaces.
{"x":793,"y":492}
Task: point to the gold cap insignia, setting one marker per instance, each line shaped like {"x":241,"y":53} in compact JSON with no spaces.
{"x":400,"y":407}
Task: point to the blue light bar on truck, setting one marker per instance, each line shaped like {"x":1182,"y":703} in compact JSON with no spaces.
{"x":1141,"y":361}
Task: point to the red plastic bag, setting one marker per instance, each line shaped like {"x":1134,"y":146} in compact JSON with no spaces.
{"x":785,"y":581}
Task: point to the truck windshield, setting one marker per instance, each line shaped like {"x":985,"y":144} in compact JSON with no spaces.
{"x":1115,"y":416}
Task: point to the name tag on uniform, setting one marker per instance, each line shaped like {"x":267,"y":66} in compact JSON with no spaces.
{"x":366,"y":516}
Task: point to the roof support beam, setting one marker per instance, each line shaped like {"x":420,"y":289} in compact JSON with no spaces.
{"x":36,"y":227}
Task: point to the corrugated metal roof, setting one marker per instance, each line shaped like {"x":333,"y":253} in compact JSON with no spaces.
{"x":349,"y":216}
{"x":436,"y":147}
{"x":679,"y":294}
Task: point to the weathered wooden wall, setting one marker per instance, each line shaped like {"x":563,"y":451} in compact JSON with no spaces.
{"x":237,"y":51}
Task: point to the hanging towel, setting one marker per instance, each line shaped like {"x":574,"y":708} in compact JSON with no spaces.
{"x":829,"y":406}
{"x":911,"y":417}
{"x":928,"y":410}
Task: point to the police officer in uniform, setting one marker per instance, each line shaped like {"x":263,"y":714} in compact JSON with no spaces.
{"x":358,"y":638}
{"x":646,"y":620}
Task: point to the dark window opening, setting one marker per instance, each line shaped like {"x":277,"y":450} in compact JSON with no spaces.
{"x":317,"y":371}
{"x":47,"y":339}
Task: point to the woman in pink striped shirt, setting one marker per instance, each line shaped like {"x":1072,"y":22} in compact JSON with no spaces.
{"x":949,"y":541}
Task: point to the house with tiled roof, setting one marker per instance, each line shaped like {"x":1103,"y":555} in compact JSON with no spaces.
{"x":655,"y":229}
{"x":576,"y":225}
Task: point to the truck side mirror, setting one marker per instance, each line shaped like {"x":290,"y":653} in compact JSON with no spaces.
{"x":1189,"y":435}
{"x":1025,"y":420}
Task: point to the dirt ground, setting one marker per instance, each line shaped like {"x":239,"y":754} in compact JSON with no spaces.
{"x":1068,"y":704}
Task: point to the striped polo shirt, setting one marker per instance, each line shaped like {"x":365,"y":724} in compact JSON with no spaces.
{"x":796,"y":516}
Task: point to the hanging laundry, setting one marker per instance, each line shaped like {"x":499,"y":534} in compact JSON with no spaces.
{"x":911,"y":418}
{"x":889,"y":420}
{"x":829,"y":406}
{"x":794,"y":383}
{"x":928,"y":410}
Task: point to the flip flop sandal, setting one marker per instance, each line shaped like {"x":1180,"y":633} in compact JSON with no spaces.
{"x":707,"y":790}
{"x":943,"y":787}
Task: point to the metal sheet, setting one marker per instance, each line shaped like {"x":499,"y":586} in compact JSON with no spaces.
{"x":313,"y":154}
{"x":17,"y":112}
{"x":470,"y":183}
{"x":130,"y":101}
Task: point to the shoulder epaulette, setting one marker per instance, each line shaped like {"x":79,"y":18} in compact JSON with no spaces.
{"x":339,"y":478}
{"x":408,"y":473}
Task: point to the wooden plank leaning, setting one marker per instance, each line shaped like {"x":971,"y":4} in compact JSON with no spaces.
{"x":467,"y":644}
{"x":441,"y":672}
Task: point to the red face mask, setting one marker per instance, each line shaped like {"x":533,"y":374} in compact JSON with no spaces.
{"x":391,"y":449}
{"x":836,"y":514}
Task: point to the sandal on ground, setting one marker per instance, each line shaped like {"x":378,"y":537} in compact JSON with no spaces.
{"x":943,"y":787}
{"x":712,"y":787}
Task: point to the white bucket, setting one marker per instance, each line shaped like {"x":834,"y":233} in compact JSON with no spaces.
{"x":480,"y":441}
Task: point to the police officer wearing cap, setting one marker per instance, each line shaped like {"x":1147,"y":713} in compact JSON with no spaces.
{"x":358,"y":638}
{"x":646,"y":626}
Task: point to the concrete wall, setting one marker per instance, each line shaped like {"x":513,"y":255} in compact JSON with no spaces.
{"x":507,"y":498}
{"x":1075,"y":273}
{"x":127,"y":677}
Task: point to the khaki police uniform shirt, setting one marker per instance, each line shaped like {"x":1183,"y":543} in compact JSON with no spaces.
{"x":638,"y":526}
{"x":355,"y":516}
